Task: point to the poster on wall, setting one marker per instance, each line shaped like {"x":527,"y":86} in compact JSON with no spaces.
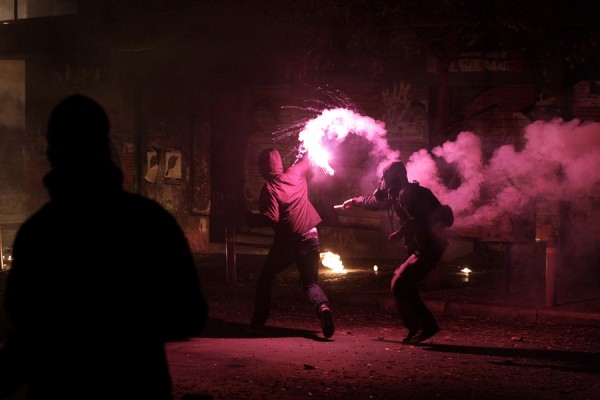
{"x":173,"y":167}
{"x":151,"y":165}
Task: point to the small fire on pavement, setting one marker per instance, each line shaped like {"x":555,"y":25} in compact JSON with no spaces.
{"x":465,"y":274}
{"x":333,"y":262}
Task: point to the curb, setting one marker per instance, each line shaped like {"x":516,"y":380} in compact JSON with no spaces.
{"x":569,"y":317}
{"x":384,"y":302}
{"x":498,"y":312}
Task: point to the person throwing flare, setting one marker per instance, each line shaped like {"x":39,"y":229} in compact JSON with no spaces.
{"x":284,"y":205}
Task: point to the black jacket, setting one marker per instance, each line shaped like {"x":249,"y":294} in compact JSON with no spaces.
{"x":101,"y":278}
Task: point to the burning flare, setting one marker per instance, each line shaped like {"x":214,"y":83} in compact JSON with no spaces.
{"x":334,"y":125}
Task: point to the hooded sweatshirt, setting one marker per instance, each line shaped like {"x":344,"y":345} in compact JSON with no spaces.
{"x":284,"y":196}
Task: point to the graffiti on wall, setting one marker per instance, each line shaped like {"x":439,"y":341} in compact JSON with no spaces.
{"x":12,"y":94}
{"x":200,"y":175}
{"x":11,"y":207}
{"x":349,"y":241}
{"x":490,"y":61}
{"x":265,"y":117}
{"x":78,"y":76}
{"x":12,"y":126}
{"x":404,"y":115}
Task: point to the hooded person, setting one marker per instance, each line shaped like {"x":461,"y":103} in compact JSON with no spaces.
{"x":284,"y":205}
{"x":423,"y":220}
{"x":101,"y":277}
{"x":270,"y":164}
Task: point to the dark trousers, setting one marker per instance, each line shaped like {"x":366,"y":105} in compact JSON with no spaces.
{"x":305,"y":253}
{"x":411,"y":308}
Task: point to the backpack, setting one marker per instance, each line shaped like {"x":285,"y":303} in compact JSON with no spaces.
{"x":446,"y":215}
{"x":440,"y":214}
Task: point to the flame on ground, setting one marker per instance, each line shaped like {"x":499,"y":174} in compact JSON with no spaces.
{"x":333,"y":261}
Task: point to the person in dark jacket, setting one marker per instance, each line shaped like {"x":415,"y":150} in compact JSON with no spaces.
{"x":284,"y":205}
{"x":423,"y":220}
{"x":101,"y":278}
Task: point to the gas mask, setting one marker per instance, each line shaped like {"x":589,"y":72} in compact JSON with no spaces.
{"x":382,"y":193}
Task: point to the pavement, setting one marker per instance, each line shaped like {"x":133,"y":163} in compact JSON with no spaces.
{"x":491,"y":294}
{"x":505,"y":354}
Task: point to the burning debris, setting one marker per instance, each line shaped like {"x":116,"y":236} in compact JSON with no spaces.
{"x":334,"y":262}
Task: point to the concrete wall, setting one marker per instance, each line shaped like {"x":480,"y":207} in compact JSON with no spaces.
{"x":185,"y":85}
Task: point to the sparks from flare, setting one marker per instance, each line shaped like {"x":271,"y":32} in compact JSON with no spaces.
{"x":333,"y":126}
{"x":328,"y":121}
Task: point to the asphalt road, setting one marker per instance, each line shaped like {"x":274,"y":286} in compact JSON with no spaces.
{"x":365,"y":359}
{"x":470,"y":358}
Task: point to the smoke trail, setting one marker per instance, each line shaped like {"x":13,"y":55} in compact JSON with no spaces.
{"x":466,"y":155}
{"x":334,"y":125}
{"x":559,"y":162}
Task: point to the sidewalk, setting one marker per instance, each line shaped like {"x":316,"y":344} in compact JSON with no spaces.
{"x":489,"y":295}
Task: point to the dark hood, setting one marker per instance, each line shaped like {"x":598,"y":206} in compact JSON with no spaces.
{"x":394,"y":176}
{"x":270,"y":164}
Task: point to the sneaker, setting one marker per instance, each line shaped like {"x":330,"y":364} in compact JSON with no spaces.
{"x":425,"y":334}
{"x":327,"y":325}
{"x":412,"y":332}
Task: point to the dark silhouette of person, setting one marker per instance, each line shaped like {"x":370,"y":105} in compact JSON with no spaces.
{"x":101,"y":279}
{"x":423,"y":220}
{"x":284,"y":205}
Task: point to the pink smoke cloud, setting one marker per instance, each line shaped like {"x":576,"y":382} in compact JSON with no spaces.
{"x":559,"y":161}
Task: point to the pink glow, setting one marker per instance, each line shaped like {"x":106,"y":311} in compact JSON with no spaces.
{"x":334,"y":125}
{"x":560,"y":161}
